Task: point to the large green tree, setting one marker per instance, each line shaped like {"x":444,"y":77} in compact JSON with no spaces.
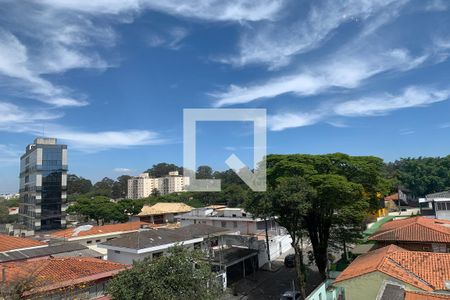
{"x":78,"y":185}
{"x":340,"y":183}
{"x":99,"y":209}
{"x":422,"y":175}
{"x":183,"y":274}
{"x":163,"y":169}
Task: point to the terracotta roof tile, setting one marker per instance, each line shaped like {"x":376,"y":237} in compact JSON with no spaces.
{"x":8,"y":243}
{"x":164,"y":208}
{"x":425,"y":296}
{"x":50,"y":273}
{"x":96,"y":230}
{"x":416,"y":229}
{"x":425,"y":270}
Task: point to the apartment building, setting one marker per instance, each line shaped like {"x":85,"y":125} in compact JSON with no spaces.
{"x":173,"y":183}
{"x":143,"y":185}
{"x":43,"y":185}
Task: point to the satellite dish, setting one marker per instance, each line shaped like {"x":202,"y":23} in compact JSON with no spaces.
{"x":79,"y":229}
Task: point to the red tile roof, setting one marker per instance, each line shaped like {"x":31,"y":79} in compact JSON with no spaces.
{"x":54,"y":273}
{"x":96,"y":230}
{"x":416,"y":229}
{"x":425,"y":296}
{"x":424,"y":270}
{"x":8,"y":243}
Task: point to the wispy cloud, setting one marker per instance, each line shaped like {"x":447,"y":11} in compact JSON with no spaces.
{"x":210,"y":10}
{"x":105,"y":140}
{"x":276,"y":43}
{"x":383,"y":104}
{"x":347,"y":69}
{"x":123,"y":170}
{"x":171,"y":39}
{"x":378,"y":105}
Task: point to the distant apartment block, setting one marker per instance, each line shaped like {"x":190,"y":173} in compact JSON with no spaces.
{"x":143,"y":185}
{"x":43,"y":185}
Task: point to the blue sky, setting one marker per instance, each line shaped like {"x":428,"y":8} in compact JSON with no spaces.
{"x":111,"y":78}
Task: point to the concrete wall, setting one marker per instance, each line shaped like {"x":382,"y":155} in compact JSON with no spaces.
{"x":367,"y":286}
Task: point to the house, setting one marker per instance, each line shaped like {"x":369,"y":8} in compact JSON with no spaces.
{"x":157,"y":241}
{"x":226,"y":259}
{"x":416,"y":234}
{"x":417,"y":271}
{"x":12,"y":243}
{"x":436,"y":205}
{"x":58,"y":250}
{"x":14,"y":229}
{"x":396,"y":291}
{"x":162,"y":212}
{"x":60,"y":278}
{"x":232,"y":218}
{"x":90,"y":236}
{"x":251,"y":230}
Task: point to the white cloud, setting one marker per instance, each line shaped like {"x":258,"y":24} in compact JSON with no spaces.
{"x":383,"y":104}
{"x":104,"y":140}
{"x":122,"y":170}
{"x":346,"y":69}
{"x":276,"y":43}
{"x":15,"y":63}
{"x":171,"y":39}
{"x":283,"y":121}
{"x":378,"y":105}
{"x":11,"y":114}
{"x":211,"y":10}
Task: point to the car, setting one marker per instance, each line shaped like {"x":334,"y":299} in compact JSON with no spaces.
{"x":289,"y":261}
{"x":290,"y":295}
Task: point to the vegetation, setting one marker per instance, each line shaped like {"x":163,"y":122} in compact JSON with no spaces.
{"x":421,"y":176}
{"x":5,"y":217}
{"x":183,"y":274}
{"x":325,"y":197}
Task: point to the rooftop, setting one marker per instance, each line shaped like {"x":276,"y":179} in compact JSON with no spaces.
{"x":88,"y":230}
{"x":74,"y":249}
{"x":162,"y":236}
{"x":9,"y":243}
{"x":444,"y":194}
{"x":53,"y":273}
{"x":164,"y":208}
{"x":427,"y":271}
{"x":416,"y":229}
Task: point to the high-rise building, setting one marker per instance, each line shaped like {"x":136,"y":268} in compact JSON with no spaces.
{"x":43,"y":185}
{"x":173,"y":183}
{"x":143,"y":185}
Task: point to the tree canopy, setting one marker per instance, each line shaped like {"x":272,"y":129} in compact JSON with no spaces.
{"x":312,"y":192}
{"x":182,"y":274}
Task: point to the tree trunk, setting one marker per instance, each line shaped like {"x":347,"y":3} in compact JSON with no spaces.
{"x":345,"y":249}
{"x":267,"y":243}
{"x":300,"y":269}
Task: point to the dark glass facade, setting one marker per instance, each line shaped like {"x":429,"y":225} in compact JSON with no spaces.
{"x":43,"y":185}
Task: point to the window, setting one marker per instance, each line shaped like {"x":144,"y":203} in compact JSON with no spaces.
{"x":117,"y":251}
{"x":235,"y":224}
{"x":89,"y":242}
{"x":157,"y":254}
{"x":98,"y":241}
{"x":223,"y":224}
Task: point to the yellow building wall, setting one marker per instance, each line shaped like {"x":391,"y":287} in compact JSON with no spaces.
{"x":366,"y":287}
